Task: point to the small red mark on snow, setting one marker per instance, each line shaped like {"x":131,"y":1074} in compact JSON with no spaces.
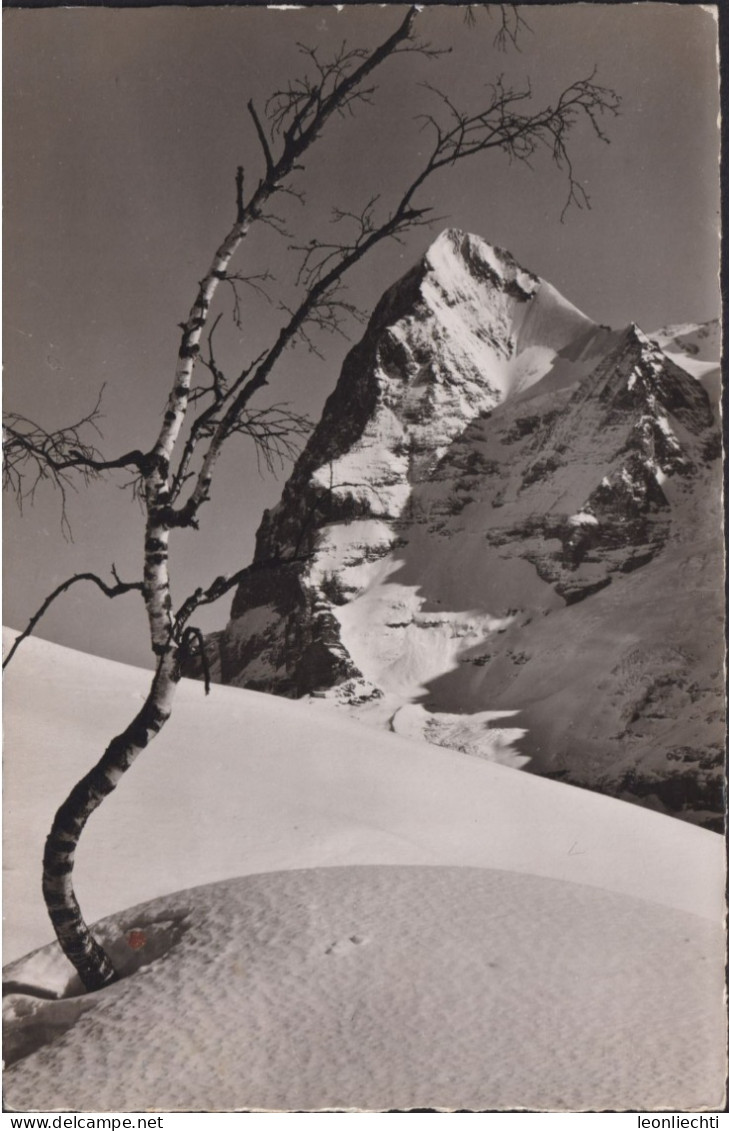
{"x":136,"y":939}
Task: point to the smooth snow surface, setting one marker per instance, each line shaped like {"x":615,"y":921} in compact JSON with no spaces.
{"x":546,"y":947}
{"x":372,"y":988}
{"x":241,"y":782}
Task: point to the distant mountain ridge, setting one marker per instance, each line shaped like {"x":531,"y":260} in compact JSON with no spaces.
{"x":506,"y":510}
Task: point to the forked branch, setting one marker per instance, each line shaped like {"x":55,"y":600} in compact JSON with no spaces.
{"x":115,"y":590}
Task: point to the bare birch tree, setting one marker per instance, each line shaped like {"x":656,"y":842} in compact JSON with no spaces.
{"x":206,"y":406}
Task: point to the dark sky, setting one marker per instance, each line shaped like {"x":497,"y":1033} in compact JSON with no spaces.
{"x":123,"y":129}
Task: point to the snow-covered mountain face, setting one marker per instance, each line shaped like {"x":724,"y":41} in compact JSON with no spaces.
{"x":504,"y":536}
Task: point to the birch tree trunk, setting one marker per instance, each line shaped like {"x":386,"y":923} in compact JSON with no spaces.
{"x":297,"y":117}
{"x":91,"y":961}
{"x":94,"y":966}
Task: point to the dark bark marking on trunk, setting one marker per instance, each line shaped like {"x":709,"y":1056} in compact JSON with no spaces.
{"x":93,"y":965}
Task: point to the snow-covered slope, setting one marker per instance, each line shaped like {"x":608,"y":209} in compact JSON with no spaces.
{"x":505,"y":536}
{"x":462,"y":934}
{"x":385,"y":988}
{"x":239,"y":783}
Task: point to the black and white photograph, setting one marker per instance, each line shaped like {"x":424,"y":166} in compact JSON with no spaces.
{"x":363,"y":544}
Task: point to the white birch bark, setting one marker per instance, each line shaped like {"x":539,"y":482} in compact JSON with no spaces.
{"x":92,"y":963}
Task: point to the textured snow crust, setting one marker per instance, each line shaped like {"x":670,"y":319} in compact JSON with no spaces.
{"x":390,"y":987}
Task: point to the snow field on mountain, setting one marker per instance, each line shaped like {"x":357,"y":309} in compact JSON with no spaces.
{"x":514,"y":943}
{"x":697,"y":349}
{"x":702,"y":342}
{"x":401,"y":641}
{"x":476,"y":734}
{"x":427,"y":644}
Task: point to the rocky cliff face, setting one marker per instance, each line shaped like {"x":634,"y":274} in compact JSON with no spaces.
{"x":506,"y":510}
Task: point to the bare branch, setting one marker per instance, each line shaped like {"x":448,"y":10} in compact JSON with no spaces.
{"x":338,"y":87}
{"x":239,"y":196}
{"x":276,"y":431}
{"x":204,"y":426}
{"x":502,"y":125}
{"x":187,"y":652}
{"x":219,"y":380}
{"x":512,"y":24}
{"x":32,"y":455}
{"x":255,"y":282}
{"x":262,"y":138}
{"x":115,"y":590}
{"x":223,"y":585}
{"x":298,"y":113}
{"x":61,"y":449}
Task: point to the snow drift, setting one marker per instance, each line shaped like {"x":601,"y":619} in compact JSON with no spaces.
{"x":375,"y":988}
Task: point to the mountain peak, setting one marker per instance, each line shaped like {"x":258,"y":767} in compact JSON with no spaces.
{"x":455,"y":250}
{"x":497,"y":489}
